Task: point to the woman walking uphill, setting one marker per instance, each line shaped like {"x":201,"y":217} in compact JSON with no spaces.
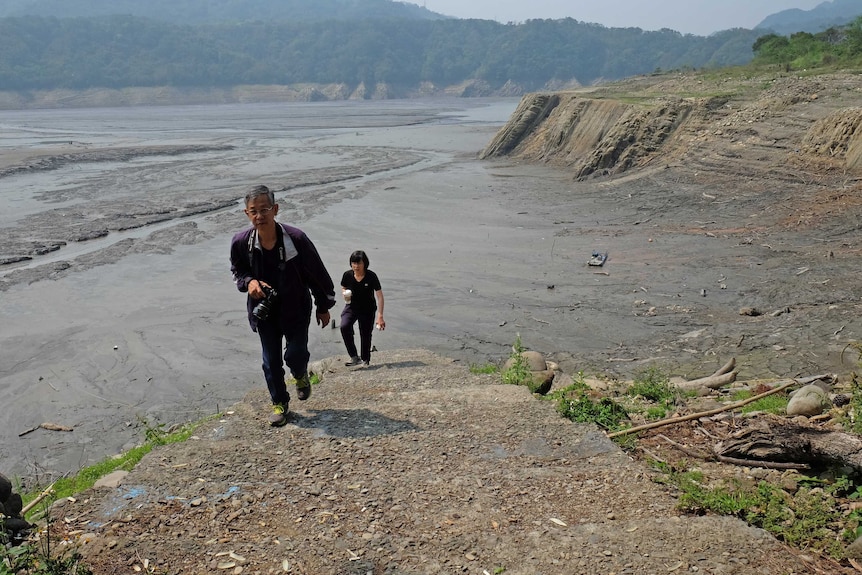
{"x":280,"y":269}
{"x":364,"y":298}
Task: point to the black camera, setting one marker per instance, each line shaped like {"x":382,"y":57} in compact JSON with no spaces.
{"x":262,"y":310}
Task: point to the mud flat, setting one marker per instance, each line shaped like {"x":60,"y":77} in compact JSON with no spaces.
{"x":141,"y":326}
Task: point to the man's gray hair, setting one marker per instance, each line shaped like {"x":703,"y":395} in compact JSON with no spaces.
{"x":257,"y":191}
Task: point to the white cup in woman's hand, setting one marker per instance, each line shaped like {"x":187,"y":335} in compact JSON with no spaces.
{"x":347,"y":295}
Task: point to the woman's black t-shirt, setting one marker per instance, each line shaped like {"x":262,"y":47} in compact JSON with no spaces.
{"x":362,"y":300}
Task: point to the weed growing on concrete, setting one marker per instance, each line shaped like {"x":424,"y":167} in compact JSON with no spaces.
{"x":519,"y":372}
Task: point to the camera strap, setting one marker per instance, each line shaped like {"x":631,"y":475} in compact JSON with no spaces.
{"x":283,"y":253}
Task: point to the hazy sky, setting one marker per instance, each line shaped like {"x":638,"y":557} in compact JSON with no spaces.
{"x":702,"y":17}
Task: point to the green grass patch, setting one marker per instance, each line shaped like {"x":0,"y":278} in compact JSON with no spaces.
{"x":855,"y":412}
{"x":575,"y":403}
{"x":806,"y":519}
{"x":656,"y":412}
{"x":483,"y":369}
{"x":87,"y":476}
{"x":653,"y":385}
{"x":775,"y":403}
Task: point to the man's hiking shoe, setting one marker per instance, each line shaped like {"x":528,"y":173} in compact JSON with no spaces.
{"x":366,"y":363}
{"x":355,"y":360}
{"x":279,"y":414}
{"x":303,"y":387}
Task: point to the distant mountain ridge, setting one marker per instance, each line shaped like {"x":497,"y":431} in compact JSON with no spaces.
{"x":220,"y":11}
{"x":367,"y":57}
{"x":324,"y":50}
{"x":194,"y":12}
{"x":822,"y":17}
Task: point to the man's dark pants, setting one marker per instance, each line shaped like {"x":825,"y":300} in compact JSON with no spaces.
{"x":272,"y":334}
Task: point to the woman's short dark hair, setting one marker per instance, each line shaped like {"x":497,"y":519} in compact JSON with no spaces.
{"x":359,"y":256}
{"x":260,"y":190}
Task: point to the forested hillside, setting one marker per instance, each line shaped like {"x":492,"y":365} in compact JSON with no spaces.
{"x":835,"y":47}
{"x":120,"y":51}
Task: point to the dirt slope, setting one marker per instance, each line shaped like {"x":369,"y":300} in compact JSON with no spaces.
{"x":413,"y":465}
{"x":763,"y":125}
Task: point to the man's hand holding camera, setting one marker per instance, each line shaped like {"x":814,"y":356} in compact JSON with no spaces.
{"x":255,"y":289}
{"x":265,"y":307}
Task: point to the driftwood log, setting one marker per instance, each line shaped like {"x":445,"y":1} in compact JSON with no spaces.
{"x":47,"y":492}
{"x":722,"y":376}
{"x":47,"y":425}
{"x":779,"y":386}
{"x":781,"y":440}
{"x":733,"y":460}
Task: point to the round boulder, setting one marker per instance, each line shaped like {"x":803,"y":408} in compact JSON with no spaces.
{"x":541,"y":376}
{"x":534,"y":360}
{"x":809,"y":401}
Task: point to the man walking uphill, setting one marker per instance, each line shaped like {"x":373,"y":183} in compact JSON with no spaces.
{"x":280,"y":269}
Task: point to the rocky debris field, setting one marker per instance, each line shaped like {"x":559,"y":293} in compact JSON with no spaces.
{"x":412,"y":465}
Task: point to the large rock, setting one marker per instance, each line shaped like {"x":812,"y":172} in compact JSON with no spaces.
{"x":541,"y":376}
{"x":541,"y":381}
{"x":809,"y":401}
{"x":534,"y":360}
{"x":11,"y":505}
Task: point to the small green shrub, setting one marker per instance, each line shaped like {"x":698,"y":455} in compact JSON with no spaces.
{"x":653,"y":385}
{"x":575,"y":404}
{"x":519,"y":372}
{"x":604,"y":412}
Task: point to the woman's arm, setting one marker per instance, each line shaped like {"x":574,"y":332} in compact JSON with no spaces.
{"x":380,"y":323}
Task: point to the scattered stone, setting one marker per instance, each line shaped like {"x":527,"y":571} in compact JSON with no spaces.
{"x":112,"y":480}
